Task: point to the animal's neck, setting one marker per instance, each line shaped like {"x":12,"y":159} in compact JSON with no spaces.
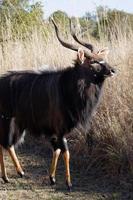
{"x":92,"y":96}
{"x":80,"y":99}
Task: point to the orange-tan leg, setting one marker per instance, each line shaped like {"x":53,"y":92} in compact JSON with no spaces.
{"x":3,"y":169}
{"x":14,"y":158}
{"x":55,"y":158}
{"x":66,"y":156}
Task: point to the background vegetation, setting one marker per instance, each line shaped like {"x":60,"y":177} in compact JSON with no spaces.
{"x":27,"y":41}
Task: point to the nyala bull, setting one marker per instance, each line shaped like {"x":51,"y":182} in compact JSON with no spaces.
{"x":51,"y":103}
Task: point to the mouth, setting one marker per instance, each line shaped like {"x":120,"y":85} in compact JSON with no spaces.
{"x":111,"y":73}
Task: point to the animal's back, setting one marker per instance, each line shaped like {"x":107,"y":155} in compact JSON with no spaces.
{"x":42,"y":107}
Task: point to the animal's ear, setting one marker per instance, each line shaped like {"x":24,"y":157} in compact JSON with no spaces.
{"x":103,"y":52}
{"x":80,"y":55}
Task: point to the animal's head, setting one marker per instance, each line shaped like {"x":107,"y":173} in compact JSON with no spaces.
{"x":89,"y":58}
{"x":98,"y":68}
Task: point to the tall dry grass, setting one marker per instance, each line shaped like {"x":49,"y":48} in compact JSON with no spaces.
{"x":110,"y":140}
{"x":112,"y":126}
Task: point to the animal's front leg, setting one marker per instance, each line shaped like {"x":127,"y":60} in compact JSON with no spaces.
{"x":3,"y":169}
{"x":15,"y":160}
{"x":60,"y":146}
{"x":66,"y":156}
{"x":56,"y":154}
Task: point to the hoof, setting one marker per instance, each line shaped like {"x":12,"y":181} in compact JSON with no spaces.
{"x":69,"y":186}
{"x":5,"y":179}
{"x":21,"y":174}
{"x":52,"y":180}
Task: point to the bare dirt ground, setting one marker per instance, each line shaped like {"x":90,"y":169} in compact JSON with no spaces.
{"x":35,"y":157}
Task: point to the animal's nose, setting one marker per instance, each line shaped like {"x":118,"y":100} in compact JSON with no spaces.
{"x":113,"y":71}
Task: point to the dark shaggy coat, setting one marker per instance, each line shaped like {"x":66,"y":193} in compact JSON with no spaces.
{"x":47,"y":102}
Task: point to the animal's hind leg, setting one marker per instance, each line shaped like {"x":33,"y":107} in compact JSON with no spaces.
{"x":3,"y":169}
{"x":15,"y":160}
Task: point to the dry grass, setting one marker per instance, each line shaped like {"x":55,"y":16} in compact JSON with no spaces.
{"x":111,"y":148}
{"x":112,"y":126}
